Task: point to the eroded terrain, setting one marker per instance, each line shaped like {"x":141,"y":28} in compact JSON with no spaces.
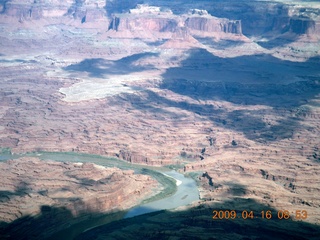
{"x":64,"y":193}
{"x":230,"y":97}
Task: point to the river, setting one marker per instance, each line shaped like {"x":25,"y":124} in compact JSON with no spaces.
{"x":186,"y":193}
{"x":186,"y":189}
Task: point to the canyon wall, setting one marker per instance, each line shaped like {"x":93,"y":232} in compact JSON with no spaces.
{"x":151,"y":23}
{"x":139,"y":21}
{"x":249,"y":18}
{"x":295,"y":19}
{"x":167,"y":25}
{"x":62,"y":193}
{"x":35,"y":10}
{"x":262,"y":17}
{"x":205,"y":24}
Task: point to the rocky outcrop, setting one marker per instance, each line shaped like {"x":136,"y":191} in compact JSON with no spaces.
{"x":132,"y":157}
{"x":21,"y":11}
{"x":143,"y":21}
{"x":31,"y":189}
{"x":146,"y":23}
{"x":295,"y":19}
{"x":258,"y":17}
{"x":86,"y":10}
{"x":297,"y":25}
{"x":303,"y":26}
{"x":251,"y":17}
{"x":197,"y":23}
{"x":35,"y":9}
{"x":152,"y":102}
{"x":205,"y":24}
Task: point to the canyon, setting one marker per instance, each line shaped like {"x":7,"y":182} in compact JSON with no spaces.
{"x":55,"y":195}
{"x":227,"y":92}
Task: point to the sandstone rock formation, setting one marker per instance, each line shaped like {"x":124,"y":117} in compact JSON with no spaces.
{"x":147,"y":22}
{"x":36,"y":10}
{"x":231,"y":90}
{"x":29,"y":186}
{"x":202,"y":24}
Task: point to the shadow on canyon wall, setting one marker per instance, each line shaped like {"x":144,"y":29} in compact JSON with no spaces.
{"x":245,"y":80}
{"x":270,"y":20}
{"x":260,"y":80}
{"x":55,"y":223}
{"x":249,"y":122}
{"x":198,"y":223}
{"x":20,"y":190}
{"x":220,"y":45}
{"x":36,"y":227}
{"x":3,"y":5}
{"x":121,"y":6}
{"x":203,"y":73}
{"x":98,"y":67}
{"x":194,"y":223}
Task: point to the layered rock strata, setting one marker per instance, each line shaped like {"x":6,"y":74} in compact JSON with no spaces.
{"x":36,"y":10}
{"x":31,"y":188}
{"x":145,"y":24}
{"x":241,"y":116}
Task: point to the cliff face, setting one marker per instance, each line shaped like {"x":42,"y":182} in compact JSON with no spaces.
{"x":133,"y":157}
{"x":297,"y":25}
{"x":35,"y":9}
{"x":270,"y":17}
{"x":214,"y":25}
{"x":247,"y":18}
{"x":294,"y":19}
{"x":291,"y":19}
{"x":86,"y":10}
{"x":138,"y":21}
{"x":33,"y":189}
{"x":150,"y":23}
{"x":181,"y":26}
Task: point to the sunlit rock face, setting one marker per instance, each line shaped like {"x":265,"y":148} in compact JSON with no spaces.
{"x":155,"y":23}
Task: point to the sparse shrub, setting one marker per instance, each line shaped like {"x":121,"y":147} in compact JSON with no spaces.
{"x":183,"y":154}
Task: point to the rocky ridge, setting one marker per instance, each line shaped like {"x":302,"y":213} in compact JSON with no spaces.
{"x":164,"y":23}
{"x":36,"y":10}
{"x":240,"y":113}
{"x":30,"y":186}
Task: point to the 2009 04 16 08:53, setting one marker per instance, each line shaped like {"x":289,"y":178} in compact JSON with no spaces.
{"x":264,"y":214}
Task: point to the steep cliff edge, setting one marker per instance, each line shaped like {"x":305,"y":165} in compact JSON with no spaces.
{"x":143,"y":22}
{"x":162,"y":88}
{"x":271,"y":18}
{"x":211,"y":24}
{"x":85,"y":10}
{"x":155,"y":20}
{"x":248,"y":18}
{"x":62,"y":194}
{"x":150,"y":22}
